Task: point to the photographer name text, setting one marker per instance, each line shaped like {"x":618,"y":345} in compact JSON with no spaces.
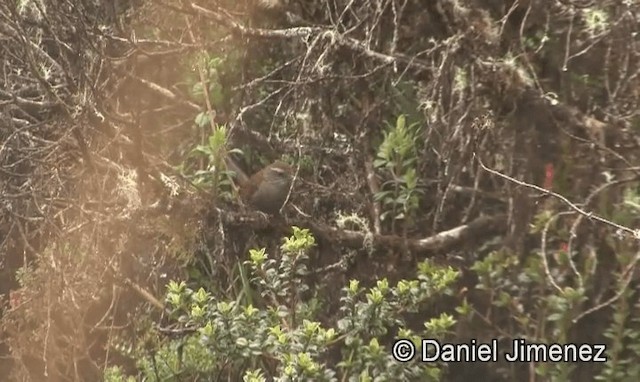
{"x":520,"y":351}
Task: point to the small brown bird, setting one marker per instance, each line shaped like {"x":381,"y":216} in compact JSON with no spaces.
{"x":267,"y":190}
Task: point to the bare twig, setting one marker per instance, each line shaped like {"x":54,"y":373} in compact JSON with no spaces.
{"x":588,"y":215}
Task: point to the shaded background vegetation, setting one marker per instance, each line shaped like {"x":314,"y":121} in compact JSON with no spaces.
{"x":394,"y":111}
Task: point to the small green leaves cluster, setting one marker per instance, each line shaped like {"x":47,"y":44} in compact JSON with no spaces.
{"x":282,"y":280}
{"x":369,"y":313}
{"x":115,"y":374}
{"x":213,"y":176}
{"x":537,"y":310}
{"x":212,"y":67}
{"x":624,"y":338}
{"x":397,"y":155}
{"x":283,"y":338}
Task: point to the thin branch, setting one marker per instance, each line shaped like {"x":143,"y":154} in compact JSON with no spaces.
{"x":590,"y":215}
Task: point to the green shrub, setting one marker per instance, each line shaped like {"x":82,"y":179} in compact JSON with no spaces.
{"x":282,"y":338}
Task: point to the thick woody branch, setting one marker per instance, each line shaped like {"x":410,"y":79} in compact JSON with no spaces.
{"x":446,"y":240}
{"x":485,"y":226}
